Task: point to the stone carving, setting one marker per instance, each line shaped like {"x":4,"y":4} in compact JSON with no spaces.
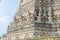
{"x":36,"y":34}
{"x":17,"y":38}
{"x":27,"y":36}
{"x":38,"y":21}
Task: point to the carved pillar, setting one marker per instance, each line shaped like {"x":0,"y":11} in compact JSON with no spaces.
{"x":50,"y":18}
{"x":39,"y":17}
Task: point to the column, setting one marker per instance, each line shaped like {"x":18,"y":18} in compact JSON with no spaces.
{"x":50,"y":18}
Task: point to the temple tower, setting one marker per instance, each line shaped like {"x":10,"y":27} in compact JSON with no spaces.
{"x":35,"y":18}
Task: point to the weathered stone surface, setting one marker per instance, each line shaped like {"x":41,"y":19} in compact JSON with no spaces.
{"x":34,"y":18}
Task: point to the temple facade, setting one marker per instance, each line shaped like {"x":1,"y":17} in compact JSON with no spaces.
{"x":34,"y":19}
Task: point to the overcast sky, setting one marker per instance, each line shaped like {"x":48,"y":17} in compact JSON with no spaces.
{"x":7,"y":11}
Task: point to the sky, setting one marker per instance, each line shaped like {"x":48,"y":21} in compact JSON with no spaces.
{"x":7,"y":11}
